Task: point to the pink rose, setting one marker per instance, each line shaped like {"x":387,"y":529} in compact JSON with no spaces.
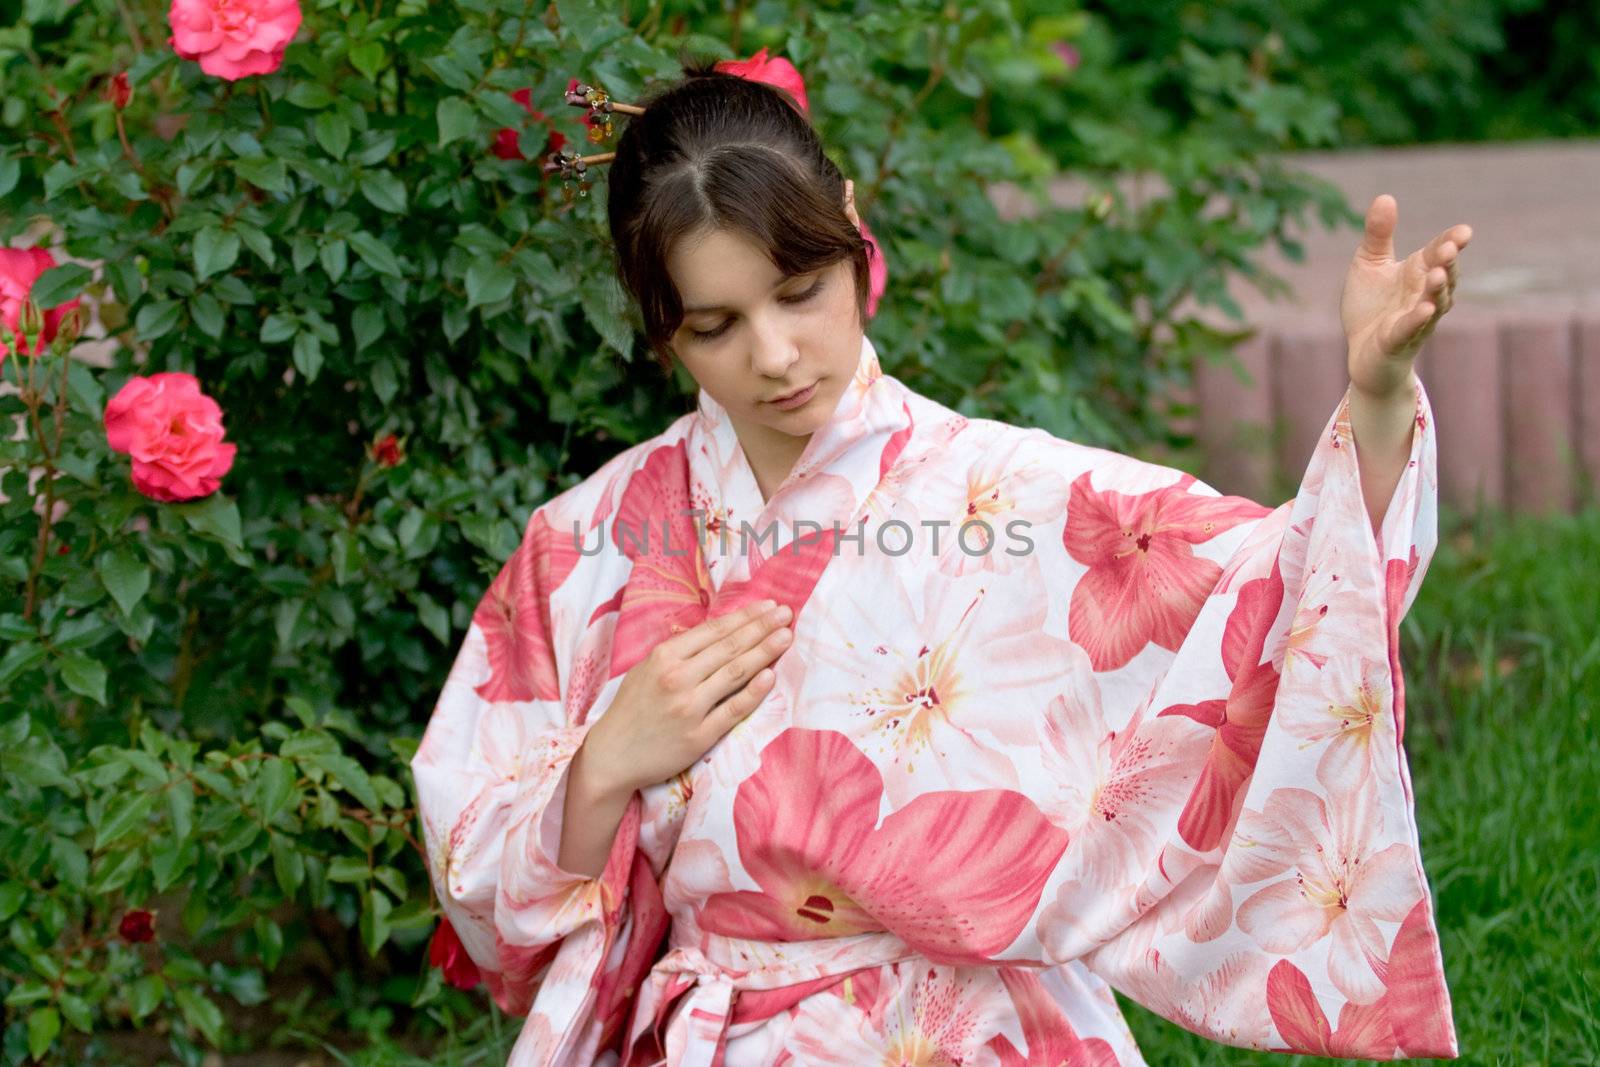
{"x":19,"y":269}
{"x":233,"y":38}
{"x":781,"y":73}
{"x":174,"y":434}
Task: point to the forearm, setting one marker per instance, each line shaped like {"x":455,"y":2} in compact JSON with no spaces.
{"x":591,"y":814}
{"x":1383,"y":429}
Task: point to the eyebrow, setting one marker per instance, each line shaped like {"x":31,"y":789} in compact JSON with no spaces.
{"x":691,"y":309}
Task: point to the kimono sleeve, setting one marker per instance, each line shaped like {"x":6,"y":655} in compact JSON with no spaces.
{"x":1270,"y":893}
{"x":491,"y":774}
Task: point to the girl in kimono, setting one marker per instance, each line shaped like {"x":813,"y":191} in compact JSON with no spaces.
{"x":830,"y":726}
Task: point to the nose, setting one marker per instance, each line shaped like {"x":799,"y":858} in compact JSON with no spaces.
{"x":774,"y":351}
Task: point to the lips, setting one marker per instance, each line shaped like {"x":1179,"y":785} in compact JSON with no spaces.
{"x":789,"y":396}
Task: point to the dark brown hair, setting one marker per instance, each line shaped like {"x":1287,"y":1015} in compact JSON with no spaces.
{"x":712,"y":151}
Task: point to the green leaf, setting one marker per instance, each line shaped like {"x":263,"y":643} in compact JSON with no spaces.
{"x":180,"y":807}
{"x":488,"y":281}
{"x":200,"y":1013}
{"x":375,"y":908}
{"x":375,"y":254}
{"x":265,"y":171}
{"x":347,"y":869}
{"x":457,"y":120}
{"x":43,"y":1026}
{"x":76,"y":1009}
{"x":307,"y":354}
{"x":217,"y":517}
{"x":215,"y":250}
{"x":126,"y":577}
{"x":384,"y":190}
{"x":434,"y":617}
{"x":367,"y":57}
{"x":332,"y":130}
{"x":385,"y":382}
{"x":127,"y":813}
{"x":309,"y":95}
{"x":86,"y":392}
{"x":59,"y":284}
{"x":208,"y":314}
{"x":84,"y":676}
{"x":157,"y":319}
{"x":287,"y":864}
{"x":335,"y":257}
{"x":276,"y":783}
{"x":146,"y":995}
{"x":10,"y":171}
{"x":12,"y":895}
{"x":366,"y":324}
{"x":278,"y":327}
{"x":350,"y":775}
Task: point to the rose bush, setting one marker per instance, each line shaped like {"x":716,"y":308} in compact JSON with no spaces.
{"x":304,"y":223}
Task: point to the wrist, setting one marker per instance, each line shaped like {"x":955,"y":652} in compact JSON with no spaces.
{"x":1402,"y":393}
{"x":592,"y":780}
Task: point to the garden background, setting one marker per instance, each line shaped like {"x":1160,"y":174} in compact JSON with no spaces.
{"x":216,"y":659}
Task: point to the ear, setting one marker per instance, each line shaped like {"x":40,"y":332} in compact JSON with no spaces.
{"x":850,"y":203}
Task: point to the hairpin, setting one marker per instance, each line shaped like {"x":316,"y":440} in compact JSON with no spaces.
{"x":600,"y":107}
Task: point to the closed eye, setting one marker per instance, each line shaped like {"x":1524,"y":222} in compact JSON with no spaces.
{"x":798,"y":298}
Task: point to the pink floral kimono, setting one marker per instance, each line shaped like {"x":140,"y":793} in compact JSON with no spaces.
{"x":1055,"y":721}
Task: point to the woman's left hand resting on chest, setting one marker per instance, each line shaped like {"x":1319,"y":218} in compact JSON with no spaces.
{"x":1388,"y":308}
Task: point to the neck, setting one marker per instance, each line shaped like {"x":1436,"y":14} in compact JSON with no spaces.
{"x":771,"y":453}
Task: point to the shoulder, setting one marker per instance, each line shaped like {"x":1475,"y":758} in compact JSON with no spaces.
{"x":591,"y":500}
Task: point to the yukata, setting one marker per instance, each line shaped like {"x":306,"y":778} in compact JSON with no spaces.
{"x":1054,"y":722}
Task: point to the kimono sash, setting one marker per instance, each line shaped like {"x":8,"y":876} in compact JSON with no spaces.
{"x":718,"y":996}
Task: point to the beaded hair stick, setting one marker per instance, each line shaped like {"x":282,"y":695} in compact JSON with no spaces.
{"x":572,"y":166}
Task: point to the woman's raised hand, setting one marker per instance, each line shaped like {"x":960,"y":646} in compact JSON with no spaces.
{"x":692,"y":688}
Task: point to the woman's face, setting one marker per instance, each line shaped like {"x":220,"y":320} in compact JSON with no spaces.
{"x":751,"y":336}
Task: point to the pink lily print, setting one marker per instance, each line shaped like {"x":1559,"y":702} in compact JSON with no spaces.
{"x":1350,"y":721}
{"x":1145,"y":585}
{"x":1240,"y":719}
{"x":955,"y":874}
{"x":1113,"y":790}
{"x":1050,"y":1038}
{"x":514,"y":615}
{"x":927,"y":1015}
{"x":933,"y":676}
{"x":1342,"y":887}
{"x":668,"y":589}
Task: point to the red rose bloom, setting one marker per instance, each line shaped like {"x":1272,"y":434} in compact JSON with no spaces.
{"x":118,"y":91}
{"x":137,"y":926}
{"x":387,"y":451}
{"x":450,"y":955}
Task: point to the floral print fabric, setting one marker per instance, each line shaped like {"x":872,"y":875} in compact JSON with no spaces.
{"x":1124,"y":733}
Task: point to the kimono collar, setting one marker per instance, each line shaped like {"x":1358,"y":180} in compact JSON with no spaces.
{"x":841,"y":463}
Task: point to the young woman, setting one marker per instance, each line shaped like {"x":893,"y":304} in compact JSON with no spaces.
{"x":830,"y":726}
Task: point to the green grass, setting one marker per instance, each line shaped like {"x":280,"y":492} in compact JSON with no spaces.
{"x":1501,"y":652}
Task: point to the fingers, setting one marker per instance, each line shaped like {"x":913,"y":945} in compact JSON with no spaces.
{"x":696,"y":639}
{"x":740,"y":649}
{"x":1377,"y":242}
{"x":731,"y":676}
{"x":726,"y":715}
